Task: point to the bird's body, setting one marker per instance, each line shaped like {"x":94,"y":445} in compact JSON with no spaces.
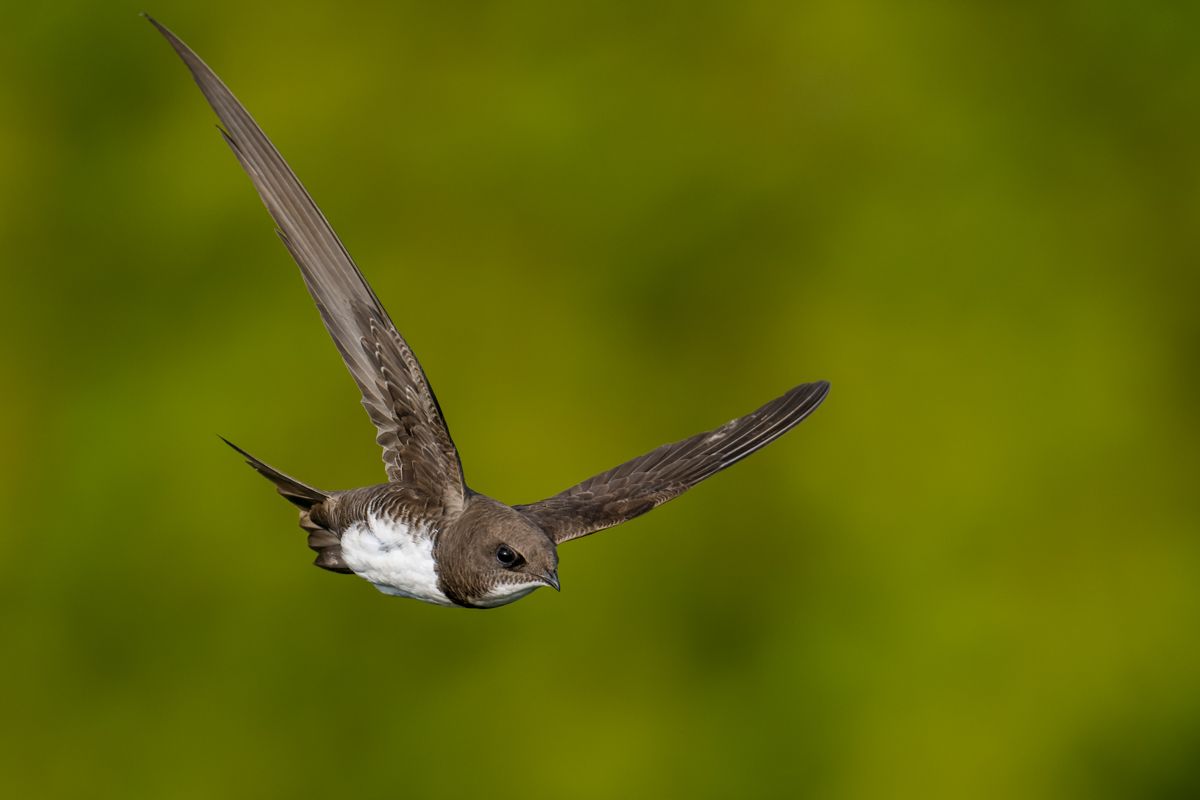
{"x":424,"y":534}
{"x":395,"y":555}
{"x":398,"y":551}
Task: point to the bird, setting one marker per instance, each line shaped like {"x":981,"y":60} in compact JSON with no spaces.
{"x":424,"y":534}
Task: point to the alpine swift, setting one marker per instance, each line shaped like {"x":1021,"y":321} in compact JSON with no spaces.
{"x":424,"y":534}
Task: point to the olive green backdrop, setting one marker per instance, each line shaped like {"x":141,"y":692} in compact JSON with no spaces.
{"x":974,"y":573}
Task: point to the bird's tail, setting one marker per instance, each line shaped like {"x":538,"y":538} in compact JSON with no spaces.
{"x":295,"y":492}
{"x":314,"y":512}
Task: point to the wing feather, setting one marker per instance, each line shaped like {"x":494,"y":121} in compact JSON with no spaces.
{"x":417,"y":448}
{"x":643,"y":483}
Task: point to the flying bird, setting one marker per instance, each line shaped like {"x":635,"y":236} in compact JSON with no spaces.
{"x":425,"y":534}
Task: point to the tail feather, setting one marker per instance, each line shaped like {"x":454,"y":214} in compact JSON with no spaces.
{"x":295,"y":492}
{"x":313,"y":512}
{"x":325,"y":543}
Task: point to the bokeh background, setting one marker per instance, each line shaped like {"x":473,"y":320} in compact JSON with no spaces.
{"x":975,"y":572}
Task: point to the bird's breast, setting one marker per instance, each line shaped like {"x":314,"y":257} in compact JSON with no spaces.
{"x":395,"y":556}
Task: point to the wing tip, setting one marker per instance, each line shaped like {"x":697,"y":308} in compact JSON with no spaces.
{"x":193,"y":62}
{"x":161,"y":28}
{"x":240,"y":451}
{"x":813,"y":393}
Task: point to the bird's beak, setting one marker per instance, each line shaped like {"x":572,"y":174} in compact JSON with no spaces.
{"x":551,"y":580}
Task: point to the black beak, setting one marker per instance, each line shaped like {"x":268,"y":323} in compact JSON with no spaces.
{"x":551,"y":580}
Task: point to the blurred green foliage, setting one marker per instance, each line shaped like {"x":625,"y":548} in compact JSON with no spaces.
{"x":975,"y":572}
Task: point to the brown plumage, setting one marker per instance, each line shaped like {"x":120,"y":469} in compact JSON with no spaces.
{"x":666,"y":472}
{"x":424,"y":533}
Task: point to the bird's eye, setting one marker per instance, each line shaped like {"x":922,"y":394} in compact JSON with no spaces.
{"x":508,"y":557}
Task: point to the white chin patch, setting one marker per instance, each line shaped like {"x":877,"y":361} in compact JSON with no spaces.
{"x":506,"y":593}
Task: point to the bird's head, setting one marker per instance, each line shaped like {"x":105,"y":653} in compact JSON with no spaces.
{"x":492,"y":555}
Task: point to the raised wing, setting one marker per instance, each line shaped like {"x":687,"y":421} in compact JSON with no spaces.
{"x":417,"y":449}
{"x":637,"y":486}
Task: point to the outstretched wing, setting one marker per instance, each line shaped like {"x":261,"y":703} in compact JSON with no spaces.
{"x":417,"y":449}
{"x":637,"y":486}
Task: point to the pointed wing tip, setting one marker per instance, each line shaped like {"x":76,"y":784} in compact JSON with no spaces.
{"x":814,"y":393}
{"x":182,"y":49}
{"x":161,"y":28}
{"x":242,"y":452}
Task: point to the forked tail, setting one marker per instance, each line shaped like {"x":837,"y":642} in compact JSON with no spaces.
{"x":295,"y":492}
{"x":314,"y":513}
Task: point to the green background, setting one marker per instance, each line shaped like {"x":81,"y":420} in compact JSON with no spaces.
{"x":973,"y":573}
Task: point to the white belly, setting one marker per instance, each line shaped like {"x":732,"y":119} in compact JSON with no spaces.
{"x":396,"y":558}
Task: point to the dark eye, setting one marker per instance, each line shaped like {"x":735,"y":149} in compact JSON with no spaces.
{"x":508,"y":557}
